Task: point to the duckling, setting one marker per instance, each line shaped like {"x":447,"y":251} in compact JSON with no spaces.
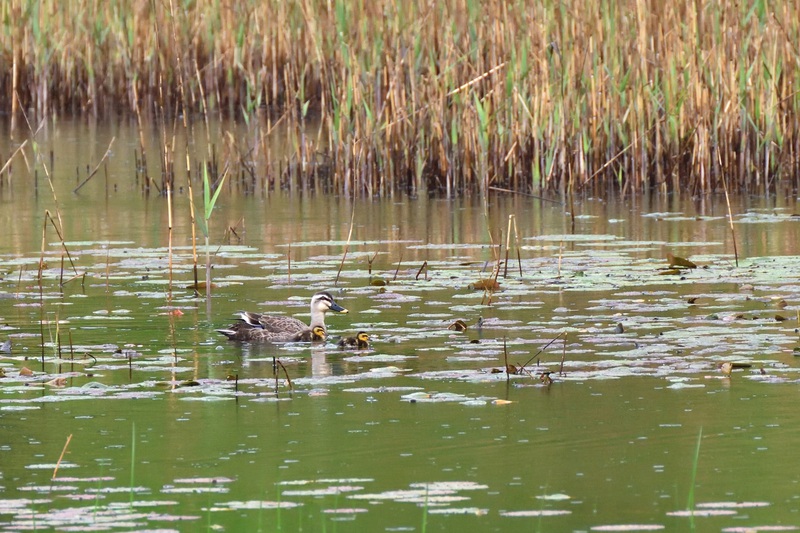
{"x":315,"y":334}
{"x":359,"y":342}
{"x":280,"y":328}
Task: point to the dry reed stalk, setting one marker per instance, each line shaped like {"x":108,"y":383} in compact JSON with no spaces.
{"x":74,"y":277}
{"x":142,"y":150}
{"x":49,"y":217}
{"x":108,"y":266}
{"x":541,"y":350}
{"x":508,"y":245}
{"x":8,"y":161}
{"x":71,"y":353}
{"x":512,"y":223}
{"x":41,"y":318}
{"x":61,"y":457}
{"x":47,"y":212}
{"x":169,"y":240}
{"x":194,"y":233}
{"x":97,"y":167}
{"x":170,"y":310}
{"x":516,"y":244}
{"x":347,"y":245}
{"x":730,"y":221}
{"x":505,"y":359}
{"x":399,"y":98}
{"x":370,"y":261}
{"x":397,"y":270}
{"x":275,"y":364}
{"x":423,"y":267}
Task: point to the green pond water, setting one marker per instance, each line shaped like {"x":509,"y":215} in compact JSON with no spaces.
{"x":122,"y":409}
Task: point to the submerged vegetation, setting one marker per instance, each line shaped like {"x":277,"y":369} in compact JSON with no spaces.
{"x":457,"y":95}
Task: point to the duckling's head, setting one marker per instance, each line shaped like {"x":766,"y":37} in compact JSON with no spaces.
{"x":318,"y":333}
{"x":323,"y":302}
{"x":362,"y":337}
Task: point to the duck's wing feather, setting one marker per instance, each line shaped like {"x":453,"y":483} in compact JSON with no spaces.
{"x":273,"y":323}
{"x":306,"y":335}
{"x":244,"y":332}
{"x":347,"y":342}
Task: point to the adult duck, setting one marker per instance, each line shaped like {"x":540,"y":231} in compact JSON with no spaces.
{"x":281,"y":328}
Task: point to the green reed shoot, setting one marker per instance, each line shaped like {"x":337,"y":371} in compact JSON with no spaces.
{"x":98,"y":488}
{"x":690,"y":500}
{"x":209,"y":201}
{"x":133,"y":461}
{"x":424,"y":526}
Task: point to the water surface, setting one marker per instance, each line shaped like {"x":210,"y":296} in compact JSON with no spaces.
{"x":174,"y":428}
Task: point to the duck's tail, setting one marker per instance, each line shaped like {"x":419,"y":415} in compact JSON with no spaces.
{"x":230,"y":333}
{"x":237,"y":331}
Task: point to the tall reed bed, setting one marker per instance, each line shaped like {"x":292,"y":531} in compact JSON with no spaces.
{"x":458,"y":95}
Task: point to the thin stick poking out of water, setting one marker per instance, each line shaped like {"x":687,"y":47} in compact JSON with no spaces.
{"x":508,"y":245}
{"x":49,"y":217}
{"x":423,"y":267}
{"x":730,"y":217}
{"x":505,"y":358}
{"x":108,"y":251}
{"x":516,"y":242}
{"x":133,"y":459}
{"x":347,"y":246}
{"x":275,"y":364}
{"x":96,"y":168}
{"x":289,"y":261}
{"x":396,"y":270}
{"x":20,"y":147}
{"x":71,"y":353}
{"x":169,"y":240}
{"x":520,"y":369}
{"x":690,"y":500}
{"x":61,"y":457}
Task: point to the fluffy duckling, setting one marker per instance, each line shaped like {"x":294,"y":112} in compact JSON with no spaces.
{"x":359,"y":342}
{"x":315,"y":334}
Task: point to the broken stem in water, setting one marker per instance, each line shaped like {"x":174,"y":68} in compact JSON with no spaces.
{"x":396,"y":270}
{"x":505,"y":358}
{"x":97,"y":167}
{"x":61,"y":457}
{"x":423,"y":267}
{"x":347,"y":246}
{"x":730,"y":217}
{"x":541,"y":350}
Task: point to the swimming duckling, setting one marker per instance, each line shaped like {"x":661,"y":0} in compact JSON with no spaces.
{"x":280,"y":328}
{"x":359,"y":342}
{"x":315,"y":334}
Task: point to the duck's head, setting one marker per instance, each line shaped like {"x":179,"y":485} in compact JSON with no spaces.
{"x":323,"y":302}
{"x":362,"y":336}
